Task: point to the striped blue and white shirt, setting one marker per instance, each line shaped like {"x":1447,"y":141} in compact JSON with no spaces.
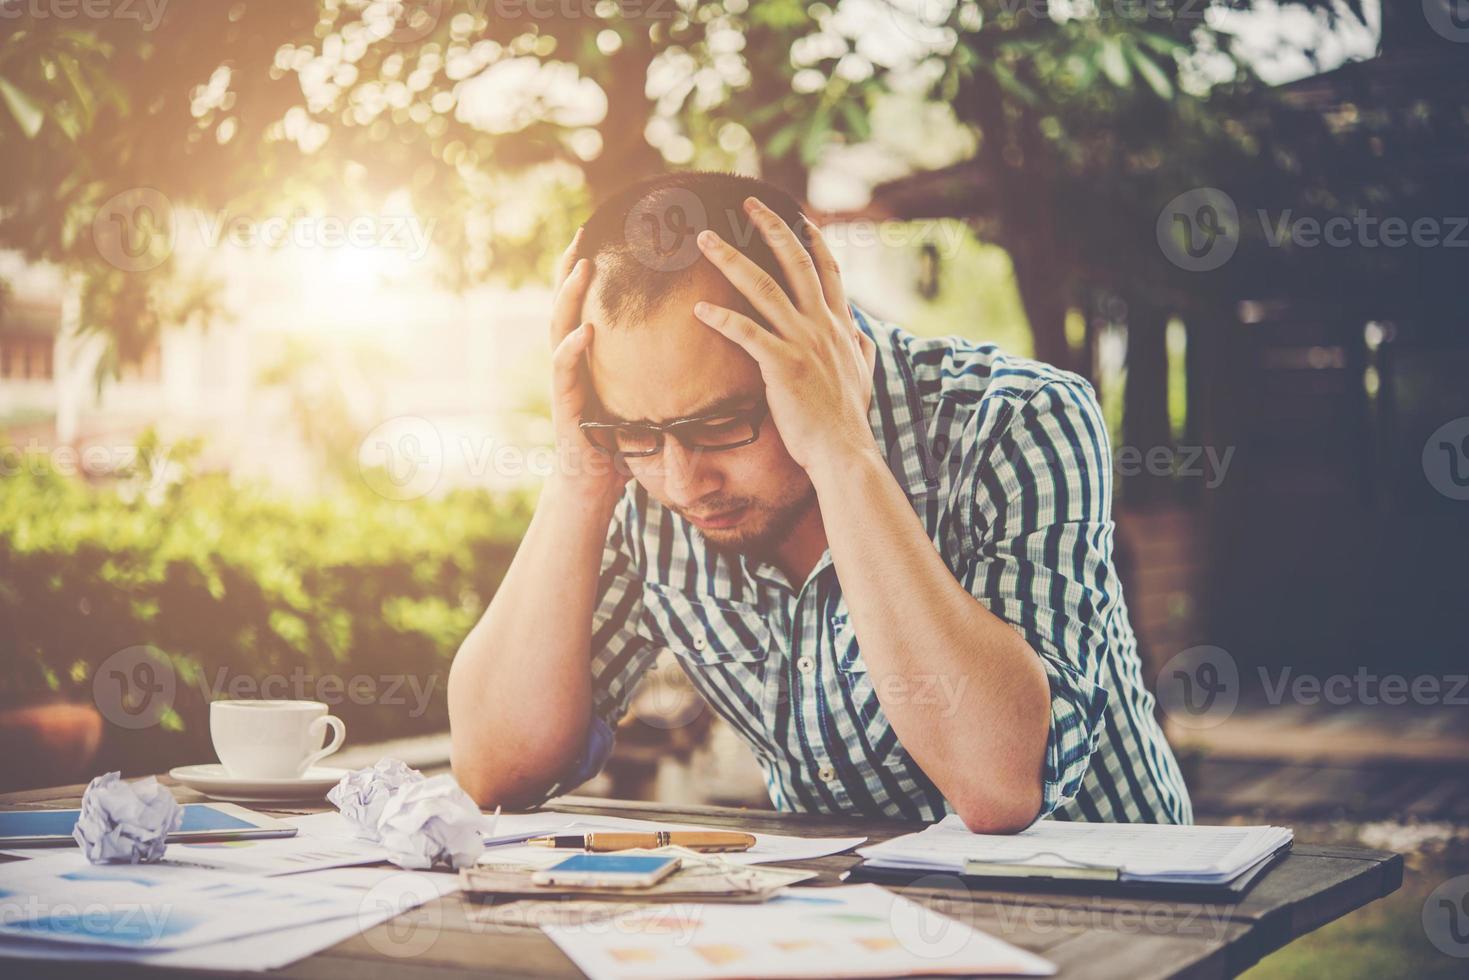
{"x":1007,"y":463}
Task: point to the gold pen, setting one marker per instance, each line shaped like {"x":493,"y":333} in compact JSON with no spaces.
{"x":704,"y":841}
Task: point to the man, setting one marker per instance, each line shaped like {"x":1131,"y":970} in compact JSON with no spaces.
{"x":885,"y":561}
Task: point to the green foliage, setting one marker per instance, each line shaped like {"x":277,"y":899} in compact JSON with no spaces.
{"x":234,"y":587}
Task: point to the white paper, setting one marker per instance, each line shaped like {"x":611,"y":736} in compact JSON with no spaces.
{"x":432,"y":822}
{"x":125,"y":822}
{"x":275,"y":855}
{"x":378,"y":895}
{"x":846,"y":931}
{"x":363,"y":794}
{"x":1153,"y":852}
{"x":154,"y":907}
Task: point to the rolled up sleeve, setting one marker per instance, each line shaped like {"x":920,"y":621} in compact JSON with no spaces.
{"x":1040,"y":556}
{"x":619,"y":654}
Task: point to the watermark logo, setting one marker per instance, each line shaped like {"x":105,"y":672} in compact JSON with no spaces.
{"x":1446,"y":917}
{"x":135,"y":230}
{"x":662,"y":229}
{"x":1446,"y":459}
{"x":1198,"y":230}
{"x":1199,"y":687}
{"x":400,"y":916}
{"x":402,"y":459}
{"x":1448,"y":18}
{"x":922,"y":931}
{"x":148,"y":13}
{"x":135,"y":687}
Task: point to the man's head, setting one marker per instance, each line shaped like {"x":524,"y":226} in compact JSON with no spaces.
{"x":653,"y":361}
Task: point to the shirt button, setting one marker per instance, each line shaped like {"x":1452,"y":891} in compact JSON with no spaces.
{"x":805,"y":665}
{"x":827,"y":774}
{"x":700,"y":641}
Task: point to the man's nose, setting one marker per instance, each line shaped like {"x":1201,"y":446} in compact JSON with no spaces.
{"x":686,"y":473}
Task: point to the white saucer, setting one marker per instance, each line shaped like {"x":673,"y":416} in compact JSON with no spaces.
{"x":211,"y":779}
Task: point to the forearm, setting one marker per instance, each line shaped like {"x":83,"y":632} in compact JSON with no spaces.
{"x":520,"y":686}
{"x":921,"y":631}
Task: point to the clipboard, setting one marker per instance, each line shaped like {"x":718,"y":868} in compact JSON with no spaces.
{"x":1065,"y":881}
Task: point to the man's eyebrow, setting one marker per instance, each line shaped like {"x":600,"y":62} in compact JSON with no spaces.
{"x":711,"y":408}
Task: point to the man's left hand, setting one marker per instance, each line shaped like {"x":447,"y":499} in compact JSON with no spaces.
{"x":817,"y":365}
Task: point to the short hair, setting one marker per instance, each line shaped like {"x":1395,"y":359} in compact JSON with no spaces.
{"x":641,"y":239}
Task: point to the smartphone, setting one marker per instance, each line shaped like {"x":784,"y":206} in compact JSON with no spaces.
{"x":608,"y":871}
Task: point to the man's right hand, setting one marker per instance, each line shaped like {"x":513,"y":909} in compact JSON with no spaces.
{"x":585,"y":475}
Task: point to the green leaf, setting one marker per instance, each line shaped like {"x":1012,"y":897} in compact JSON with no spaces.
{"x":1152,"y":74}
{"x":28,"y":115}
{"x":1114,"y":62}
{"x":815,"y":139}
{"x":856,"y":118}
{"x":781,"y":143}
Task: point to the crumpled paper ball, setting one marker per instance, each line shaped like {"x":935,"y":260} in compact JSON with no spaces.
{"x":126,"y":822}
{"x":431,"y":822}
{"x":362,"y":794}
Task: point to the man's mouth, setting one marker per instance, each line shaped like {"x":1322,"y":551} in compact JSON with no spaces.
{"x":728,"y":518}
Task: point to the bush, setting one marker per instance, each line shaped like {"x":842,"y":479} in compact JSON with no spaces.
{"x":112,"y":595}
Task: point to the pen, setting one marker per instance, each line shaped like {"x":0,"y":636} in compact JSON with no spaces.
{"x":705,"y":841}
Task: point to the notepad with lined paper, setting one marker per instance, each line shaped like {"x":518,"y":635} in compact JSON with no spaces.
{"x":1052,"y":848}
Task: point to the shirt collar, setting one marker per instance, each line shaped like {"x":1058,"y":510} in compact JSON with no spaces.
{"x":899,"y":423}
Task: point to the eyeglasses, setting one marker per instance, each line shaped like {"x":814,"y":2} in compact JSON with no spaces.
{"x":727,"y":430}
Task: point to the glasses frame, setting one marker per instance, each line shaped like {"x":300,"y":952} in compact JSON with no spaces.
{"x":754,"y":415}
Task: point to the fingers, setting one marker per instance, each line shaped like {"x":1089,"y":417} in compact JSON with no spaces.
{"x":566,"y":367}
{"x":795,"y":261}
{"x":563,"y":264}
{"x":566,"y":309}
{"x":752,"y":338}
{"x":753,"y":282}
{"x":828,"y":272}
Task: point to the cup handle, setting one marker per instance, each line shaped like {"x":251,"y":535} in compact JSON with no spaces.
{"x":339,"y":730}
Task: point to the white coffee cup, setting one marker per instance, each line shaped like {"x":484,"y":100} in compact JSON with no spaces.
{"x":272,"y":739}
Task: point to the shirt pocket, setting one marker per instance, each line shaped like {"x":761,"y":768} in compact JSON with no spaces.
{"x":703,"y":631}
{"x":852,"y":674}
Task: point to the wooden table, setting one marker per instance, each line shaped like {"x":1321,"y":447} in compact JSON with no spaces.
{"x":1085,"y":936}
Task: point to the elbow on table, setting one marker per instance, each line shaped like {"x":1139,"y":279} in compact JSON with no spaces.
{"x":1003,"y":813}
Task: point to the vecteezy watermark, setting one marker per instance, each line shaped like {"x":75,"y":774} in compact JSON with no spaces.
{"x":137,"y":686}
{"x":1116,"y":918}
{"x":661,"y":231}
{"x":1448,"y":18}
{"x":148,"y":13}
{"x":1201,"y":686}
{"x":400,"y":917}
{"x":137,"y":924}
{"x":1446,"y":917}
{"x":1207,"y":463}
{"x":37,"y":459}
{"x":1199,"y":230}
{"x":1364,"y":687}
{"x":393,"y":690}
{"x":1446,"y":459}
{"x":138,"y":229}
{"x":405,"y":458}
{"x":1198,"y":687}
{"x":410,"y":21}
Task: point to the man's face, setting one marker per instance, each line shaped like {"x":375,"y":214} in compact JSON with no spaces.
{"x":672,"y":366}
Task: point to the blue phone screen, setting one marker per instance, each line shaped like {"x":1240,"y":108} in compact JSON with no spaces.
{"x":612,"y":863}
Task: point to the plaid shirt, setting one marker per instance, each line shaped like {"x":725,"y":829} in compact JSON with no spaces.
{"x":1006,"y":461}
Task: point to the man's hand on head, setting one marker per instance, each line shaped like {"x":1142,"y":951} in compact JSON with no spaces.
{"x":816,"y":364}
